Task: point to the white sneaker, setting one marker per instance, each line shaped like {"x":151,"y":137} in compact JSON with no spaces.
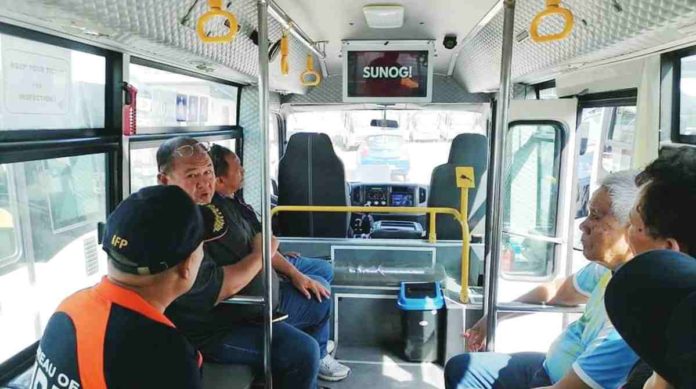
{"x":331,"y":370}
{"x":330,"y":347}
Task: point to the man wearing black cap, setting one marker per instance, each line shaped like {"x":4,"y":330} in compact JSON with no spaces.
{"x":652,"y":299}
{"x":115,"y":334}
{"x":213,"y":327}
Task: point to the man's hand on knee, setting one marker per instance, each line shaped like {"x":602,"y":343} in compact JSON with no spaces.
{"x":308,"y":287}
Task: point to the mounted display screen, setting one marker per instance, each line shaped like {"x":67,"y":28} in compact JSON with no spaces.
{"x":395,"y":74}
{"x":401,"y":200}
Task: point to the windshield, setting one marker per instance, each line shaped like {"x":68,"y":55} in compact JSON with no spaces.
{"x":407,"y":150}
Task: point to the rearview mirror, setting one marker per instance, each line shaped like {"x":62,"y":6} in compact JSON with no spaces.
{"x":384,"y":123}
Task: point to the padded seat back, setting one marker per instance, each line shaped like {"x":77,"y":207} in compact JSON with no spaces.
{"x":466,"y":150}
{"x":310,"y":173}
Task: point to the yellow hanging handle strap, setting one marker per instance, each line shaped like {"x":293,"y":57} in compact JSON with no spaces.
{"x":216,"y":10}
{"x":553,"y":7}
{"x":284,"y":48}
{"x":306,"y":76}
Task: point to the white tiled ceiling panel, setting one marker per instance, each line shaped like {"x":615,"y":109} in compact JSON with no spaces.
{"x":154,"y":29}
{"x":604,"y":29}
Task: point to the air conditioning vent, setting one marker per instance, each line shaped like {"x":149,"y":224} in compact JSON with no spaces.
{"x":422,"y":195}
{"x":91,"y":257}
{"x":355,"y":195}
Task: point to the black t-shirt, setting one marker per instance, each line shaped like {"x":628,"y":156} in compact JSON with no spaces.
{"x":196,"y":313}
{"x":109,"y":337}
{"x":651,"y":301}
{"x":243,"y":226}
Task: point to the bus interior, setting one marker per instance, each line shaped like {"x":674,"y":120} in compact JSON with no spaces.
{"x":90,"y":89}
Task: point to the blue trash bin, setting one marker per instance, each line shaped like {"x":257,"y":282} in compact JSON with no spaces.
{"x":421,"y":306}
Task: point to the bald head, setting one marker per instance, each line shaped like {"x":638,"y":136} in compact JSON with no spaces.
{"x":167,"y":152}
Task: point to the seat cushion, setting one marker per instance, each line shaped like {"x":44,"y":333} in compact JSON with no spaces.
{"x":219,"y":376}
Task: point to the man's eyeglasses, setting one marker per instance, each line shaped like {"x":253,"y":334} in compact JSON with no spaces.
{"x":186,"y":151}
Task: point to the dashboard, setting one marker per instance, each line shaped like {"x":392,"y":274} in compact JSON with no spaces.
{"x":388,"y":195}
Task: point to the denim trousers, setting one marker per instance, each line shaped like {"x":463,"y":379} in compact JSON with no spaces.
{"x":496,"y":370}
{"x":299,"y":342}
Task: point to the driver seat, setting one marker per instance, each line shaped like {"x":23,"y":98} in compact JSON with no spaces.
{"x":310,"y":173}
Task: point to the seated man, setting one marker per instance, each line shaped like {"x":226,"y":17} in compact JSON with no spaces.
{"x":589,"y":353}
{"x":306,"y":277}
{"x":652,"y":300}
{"x":115,"y":334}
{"x":214,"y":327}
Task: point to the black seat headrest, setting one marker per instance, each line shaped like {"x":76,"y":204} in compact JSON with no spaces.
{"x":310,"y":173}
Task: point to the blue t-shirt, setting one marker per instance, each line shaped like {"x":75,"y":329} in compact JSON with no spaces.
{"x":591,"y":346}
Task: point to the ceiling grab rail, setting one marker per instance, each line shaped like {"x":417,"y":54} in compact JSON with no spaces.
{"x":215,"y":11}
{"x":284,"y":49}
{"x":553,"y":7}
{"x":432,"y":212}
{"x":310,"y":72}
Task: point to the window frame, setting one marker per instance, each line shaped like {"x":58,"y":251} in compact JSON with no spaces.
{"x":11,"y":259}
{"x":138,"y":142}
{"x":193,"y":129}
{"x":27,"y":145}
{"x":670,"y":96}
{"x":557,"y":238}
{"x":550,"y":84}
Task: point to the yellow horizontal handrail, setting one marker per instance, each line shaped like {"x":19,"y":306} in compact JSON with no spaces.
{"x":432,"y":235}
{"x":432,"y":211}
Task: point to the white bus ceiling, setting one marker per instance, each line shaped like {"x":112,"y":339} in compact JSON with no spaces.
{"x":604,"y":31}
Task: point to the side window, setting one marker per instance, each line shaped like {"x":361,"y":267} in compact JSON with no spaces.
{"x":607,"y":138}
{"x":687,"y":96}
{"x":58,"y":204}
{"x":618,"y":147}
{"x":9,"y":250}
{"x":273,"y":145}
{"x":143,"y":169}
{"x":532,"y":174}
{"x":168,"y":99}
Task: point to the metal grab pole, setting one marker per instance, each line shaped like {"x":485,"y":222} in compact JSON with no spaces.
{"x":494,"y":232}
{"x":262,"y":11}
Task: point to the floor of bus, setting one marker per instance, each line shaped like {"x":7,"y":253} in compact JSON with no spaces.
{"x":384,"y":367}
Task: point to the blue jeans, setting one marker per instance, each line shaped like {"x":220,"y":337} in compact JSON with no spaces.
{"x":315,"y":267}
{"x":311,"y":316}
{"x":297,"y":341}
{"x":294,"y":354}
{"x":496,"y":370}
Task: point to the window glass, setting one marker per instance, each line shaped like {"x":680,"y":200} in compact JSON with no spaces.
{"x":618,"y":149}
{"x":50,"y":87}
{"x":273,"y":146}
{"x":523,"y":256}
{"x":408,"y":146}
{"x":8,"y":229}
{"x":548,"y":94}
{"x":532,"y":173}
{"x":687,"y":92}
{"x":167,"y":99}
{"x":56,"y":204}
{"x":143,"y":169}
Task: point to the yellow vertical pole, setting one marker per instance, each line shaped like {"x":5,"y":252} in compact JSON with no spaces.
{"x":465,"y":181}
{"x":432,"y":234}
